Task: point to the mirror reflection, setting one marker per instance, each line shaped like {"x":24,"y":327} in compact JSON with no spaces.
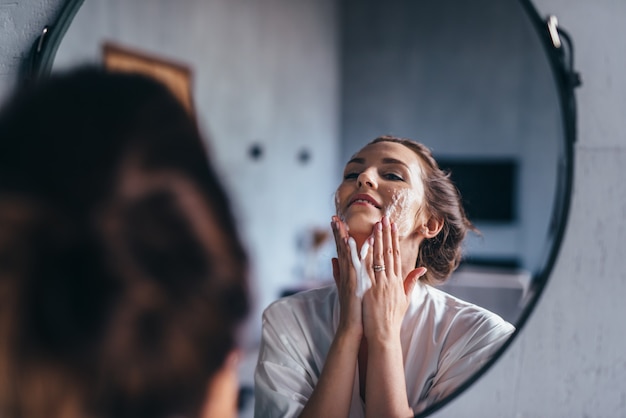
{"x":287,"y":93}
{"x":471,"y":81}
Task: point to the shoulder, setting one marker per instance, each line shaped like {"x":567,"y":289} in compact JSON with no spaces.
{"x":462,"y":337}
{"x":461,"y":319}
{"x":313,"y":302}
{"x":299,"y":327}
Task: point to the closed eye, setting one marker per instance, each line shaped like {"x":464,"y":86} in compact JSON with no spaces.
{"x":393,"y":177}
{"x":349,"y":176}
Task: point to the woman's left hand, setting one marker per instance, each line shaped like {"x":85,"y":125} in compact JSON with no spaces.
{"x":384,"y":307}
{"x":386,"y":302}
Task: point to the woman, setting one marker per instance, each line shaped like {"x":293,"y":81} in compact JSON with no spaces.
{"x":382,"y":342}
{"x":122,"y":277}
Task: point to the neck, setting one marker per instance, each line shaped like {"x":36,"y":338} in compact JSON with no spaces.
{"x":409,"y":248}
{"x":360,"y":240}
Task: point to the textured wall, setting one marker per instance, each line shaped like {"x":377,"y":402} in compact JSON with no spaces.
{"x":570,"y":359}
{"x":21,"y":22}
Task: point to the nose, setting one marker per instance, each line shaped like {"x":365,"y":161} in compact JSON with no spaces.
{"x":366,"y":178}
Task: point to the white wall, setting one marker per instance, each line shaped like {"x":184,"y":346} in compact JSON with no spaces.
{"x":570,"y":359}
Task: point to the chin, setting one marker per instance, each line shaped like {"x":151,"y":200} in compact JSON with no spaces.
{"x":360,"y":224}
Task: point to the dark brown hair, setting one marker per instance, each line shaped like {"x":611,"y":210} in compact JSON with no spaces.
{"x":113,"y":303}
{"x":442,"y":254}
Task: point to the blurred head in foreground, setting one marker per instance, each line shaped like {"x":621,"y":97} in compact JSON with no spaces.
{"x":122,"y":277}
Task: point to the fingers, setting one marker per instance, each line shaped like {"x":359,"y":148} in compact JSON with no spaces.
{"x":340,"y":234}
{"x":412,"y":278}
{"x":336,"y":271}
{"x":386,"y":251}
{"x":389,"y":255}
{"x":377,"y":265}
{"x":343,"y":265}
{"x":395,"y":243}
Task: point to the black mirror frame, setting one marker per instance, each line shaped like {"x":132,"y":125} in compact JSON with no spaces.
{"x":44,"y":49}
{"x":559,"y":50}
{"x":560,"y":54}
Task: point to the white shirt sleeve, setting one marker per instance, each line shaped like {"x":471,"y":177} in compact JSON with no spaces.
{"x":471,"y":340}
{"x":282,"y":383}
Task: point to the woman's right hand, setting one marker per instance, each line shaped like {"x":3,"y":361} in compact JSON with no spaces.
{"x":350,"y":317}
{"x":332,"y":394}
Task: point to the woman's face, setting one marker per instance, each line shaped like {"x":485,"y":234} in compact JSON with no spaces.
{"x":384,"y":178}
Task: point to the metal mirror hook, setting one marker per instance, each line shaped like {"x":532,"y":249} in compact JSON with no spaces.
{"x":562,"y":43}
{"x":45,"y":46}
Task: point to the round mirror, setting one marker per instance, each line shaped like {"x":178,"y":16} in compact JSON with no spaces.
{"x":287,"y":91}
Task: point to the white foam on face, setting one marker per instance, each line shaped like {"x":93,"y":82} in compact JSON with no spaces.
{"x":399,"y":210}
{"x":340,"y":214}
{"x":363,"y":279}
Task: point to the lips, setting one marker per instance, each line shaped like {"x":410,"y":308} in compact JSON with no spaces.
{"x":364,"y":199}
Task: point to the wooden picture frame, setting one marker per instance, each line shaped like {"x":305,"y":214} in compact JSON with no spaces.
{"x":175,"y":75}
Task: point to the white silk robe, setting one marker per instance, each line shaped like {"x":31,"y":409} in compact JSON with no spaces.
{"x":444,"y":341}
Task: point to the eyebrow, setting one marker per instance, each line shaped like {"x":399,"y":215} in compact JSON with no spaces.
{"x":385,"y":161}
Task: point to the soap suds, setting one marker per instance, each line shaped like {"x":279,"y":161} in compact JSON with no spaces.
{"x":363,"y":279}
{"x":399,"y":210}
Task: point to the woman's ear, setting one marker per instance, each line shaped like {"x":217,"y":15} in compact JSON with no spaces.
{"x":431,"y":227}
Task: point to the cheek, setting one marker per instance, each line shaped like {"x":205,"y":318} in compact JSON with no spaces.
{"x":402,"y":210}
